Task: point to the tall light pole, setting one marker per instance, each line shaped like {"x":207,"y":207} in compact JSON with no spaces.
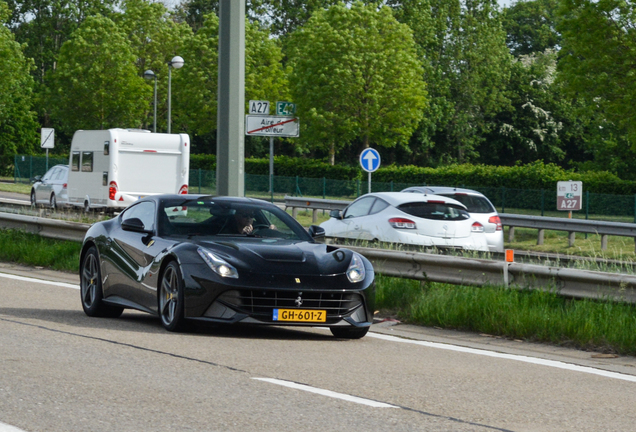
{"x":150,"y":75}
{"x":176,"y":62}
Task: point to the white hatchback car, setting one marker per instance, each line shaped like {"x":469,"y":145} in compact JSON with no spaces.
{"x":479,"y":207}
{"x":51,"y":188}
{"x":406,"y":218}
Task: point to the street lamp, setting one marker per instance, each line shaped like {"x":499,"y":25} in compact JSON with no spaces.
{"x":151,"y":75}
{"x":176,"y":62}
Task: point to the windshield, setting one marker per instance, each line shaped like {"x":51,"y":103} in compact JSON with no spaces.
{"x":207,"y":217}
{"x":474,"y":204}
{"x":435,"y":211}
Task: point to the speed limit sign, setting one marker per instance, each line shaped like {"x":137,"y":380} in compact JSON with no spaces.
{"x":569,"y":195}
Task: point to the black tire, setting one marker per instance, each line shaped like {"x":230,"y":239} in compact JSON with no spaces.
{"x":33,"y":203}
{"x":171,"y":299}
{"x":91,"y":288}
{"x":87,"y":207}
{"x":349,"y":332}
{"x":53,"y":202}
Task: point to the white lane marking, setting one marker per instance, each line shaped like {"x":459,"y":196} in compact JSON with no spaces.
{"x":28,"y":279}
{"x":525,"y":359}
{"x":8,"y":428}
{"x":327,"y":393}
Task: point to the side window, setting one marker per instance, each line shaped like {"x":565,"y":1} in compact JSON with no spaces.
{"x":59,"y":175}
{"x":106,"y":147}
{"x":359,"y":208}
{"x":87,"y":161}
{"x":144,"y":211}
{"x":75,"y":161}
{"x":378,"y":206}
{"x":49,"y":174}
{"x":272,"y":219}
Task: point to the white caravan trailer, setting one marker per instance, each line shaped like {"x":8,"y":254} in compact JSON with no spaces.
{"x":111,"y":169}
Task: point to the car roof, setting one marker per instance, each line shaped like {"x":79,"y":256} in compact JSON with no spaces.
{"x":228,"y":199}
{"x":398,"y":198}
{"x":441,"y":190}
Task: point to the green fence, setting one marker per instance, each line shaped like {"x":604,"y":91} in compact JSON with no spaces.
{"x":27,"y":167}
{"x":535,"y":201}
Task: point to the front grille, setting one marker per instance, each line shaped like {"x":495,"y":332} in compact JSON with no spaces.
{"x":260,"y":303}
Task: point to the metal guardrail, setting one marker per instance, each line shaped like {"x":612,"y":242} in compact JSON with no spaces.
{"x":480,"y":272}
{"x":541,"y":223}
{"x":314,"y":205}
{"x":422,"y":266}
{"x":51,"y":228}
{"x":572,"y":226}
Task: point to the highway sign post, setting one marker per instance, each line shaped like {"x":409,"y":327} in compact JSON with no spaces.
{"x":271,"y":126}
{"x":370,"y":161}
{"x":276,"y":126}
{"x":569,"y":196}
{"x":47,"y":141}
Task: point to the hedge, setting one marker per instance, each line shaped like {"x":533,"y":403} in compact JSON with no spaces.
{"x":536,"y":175}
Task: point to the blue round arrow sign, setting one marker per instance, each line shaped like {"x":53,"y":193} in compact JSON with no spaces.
{"x":370,"y":160}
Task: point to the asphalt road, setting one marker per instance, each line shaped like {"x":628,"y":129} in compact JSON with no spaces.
{"x":63,"y":371}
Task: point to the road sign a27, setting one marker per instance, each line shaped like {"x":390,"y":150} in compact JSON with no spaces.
{"x":259,"y":107}
{"x":569,"y":195}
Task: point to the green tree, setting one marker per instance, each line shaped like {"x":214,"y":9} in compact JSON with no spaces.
{"x":155,"y":38}
{"x":197,"y":81}
{"x":598,"y":58}
{"x":531,"y":128}
{"x":531,"y":27}
{"x":96,"y":84}
{"x":466,"y":67}
{"x":194,"y":12}
{"x":356,"y":78}
{"x":44,"y":25}
{"x":17,"y":122}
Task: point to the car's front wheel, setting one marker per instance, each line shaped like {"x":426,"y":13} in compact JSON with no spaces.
{"x":53,"y":202}
{"x":33,"y":197}
{"x":171,"y":299}
{"x":349,"y":332}
{"x":91,"y":288}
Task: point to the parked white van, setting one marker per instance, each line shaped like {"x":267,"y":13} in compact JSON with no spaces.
{"x":111,"y":169}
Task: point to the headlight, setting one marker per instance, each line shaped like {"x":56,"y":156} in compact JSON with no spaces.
{"x":220,"y":266}
{"x":355,"y":272}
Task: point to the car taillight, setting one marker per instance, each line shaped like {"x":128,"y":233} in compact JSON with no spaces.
{"x":64,"y":186}
{"x":495,"y":220}
{"x":112,"y":190}
{"x":402,"y":223}
{"x":477,"y":227}
{"x":183,"y":190}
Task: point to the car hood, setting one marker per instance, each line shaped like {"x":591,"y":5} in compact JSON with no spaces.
{"x":281,"y":256}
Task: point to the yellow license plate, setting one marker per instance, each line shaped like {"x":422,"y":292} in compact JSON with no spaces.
{"x":300,"y":315}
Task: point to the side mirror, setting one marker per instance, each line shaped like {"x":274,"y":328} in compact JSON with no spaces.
{"x":335,"y":214}
{"x":36,"y":179}
{"x":316,"y":231}
{"x":135,"y":225}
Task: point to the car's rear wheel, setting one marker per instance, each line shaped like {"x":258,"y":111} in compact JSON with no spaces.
{"x":349,"y":332}
{"x":171,"y":299}
{"x":53,"y":202}
{"x":91,"y":288}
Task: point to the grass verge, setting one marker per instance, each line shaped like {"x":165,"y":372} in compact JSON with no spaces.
{"x":32,"y":250}
{"x":535,"y":316}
